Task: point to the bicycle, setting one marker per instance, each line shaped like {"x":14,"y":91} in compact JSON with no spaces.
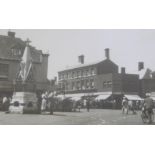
{"x":147,"y":116}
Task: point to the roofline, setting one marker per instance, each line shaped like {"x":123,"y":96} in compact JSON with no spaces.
{"x":85,"y":65}
{"x":82,"y":66}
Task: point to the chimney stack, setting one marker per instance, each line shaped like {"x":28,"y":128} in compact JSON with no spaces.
{"x":140,"y":66}
{"x":81,"y":59}
{"x":11,"y":34}
{"x":107,"y":53}
{"x":123,"y":70}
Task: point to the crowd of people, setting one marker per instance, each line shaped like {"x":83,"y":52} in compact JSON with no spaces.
{"x":145,"y":105}
{"x":53,"y":103}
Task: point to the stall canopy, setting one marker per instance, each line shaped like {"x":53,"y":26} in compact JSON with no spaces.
{"x":102,"y":97}
{"x":76,"y":98}
{"x":133,"y":97}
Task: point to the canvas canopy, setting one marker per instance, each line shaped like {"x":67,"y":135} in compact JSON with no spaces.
{"x":103,"y":97}
{"x":133,"y":97}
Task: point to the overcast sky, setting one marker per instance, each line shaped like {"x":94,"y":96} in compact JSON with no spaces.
{"x":64,"y":46}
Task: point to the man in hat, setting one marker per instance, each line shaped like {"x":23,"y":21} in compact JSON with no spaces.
{"x":148,"y":105}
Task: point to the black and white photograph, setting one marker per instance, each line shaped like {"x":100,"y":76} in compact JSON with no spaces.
{"x":77,"y":77}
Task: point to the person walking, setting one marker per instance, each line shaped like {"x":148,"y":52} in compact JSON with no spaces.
{"x":5,"y":103}
{"x":43,"y":104}
{"x":88,"y":105}
{"x":148,"y":105}
{"x":125,"y":106}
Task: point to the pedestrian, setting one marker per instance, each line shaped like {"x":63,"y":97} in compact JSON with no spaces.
{"x":74,"y":106}
{"x":114,"y":104}
{"x":79,"y":105}
{"x":51,"y":104}
{"x":88,"y":105}
{"x":43,"y":104}
{"x":5,"y":103}
{"x":131,"y":106}
{"x":125,"y":106}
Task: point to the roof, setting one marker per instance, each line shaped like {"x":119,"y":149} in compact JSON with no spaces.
{"x":10,"y":45}
{"x":85,"y":65}
{"x":144,"y":73}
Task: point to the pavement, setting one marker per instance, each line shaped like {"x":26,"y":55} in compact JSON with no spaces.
{"x":94,"y":117}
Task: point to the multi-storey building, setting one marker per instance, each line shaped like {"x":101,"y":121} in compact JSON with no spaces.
{"x":100,"y":78}
{"x":146,"y":80}
{"x":86,"y":78}
{"x":11,"y":52}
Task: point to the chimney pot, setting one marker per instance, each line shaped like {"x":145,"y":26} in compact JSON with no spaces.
{"x":140,"y":66}
{"x":11,"y":34}
{"x":107,"y":53}
{"x":81,"y":59}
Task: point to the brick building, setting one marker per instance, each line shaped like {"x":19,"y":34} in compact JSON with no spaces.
{"x":99,"y":79}
{"x":11,"y":52}
{"x":146,"y":80}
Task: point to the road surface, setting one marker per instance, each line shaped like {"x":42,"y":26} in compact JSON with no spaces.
{"x":94,"y":117}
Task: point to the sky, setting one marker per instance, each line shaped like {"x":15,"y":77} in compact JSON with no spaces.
{"x":127,"y":47}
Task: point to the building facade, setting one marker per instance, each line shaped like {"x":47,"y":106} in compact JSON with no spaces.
{"x":98,"y":78}
{"x":11,"y":52}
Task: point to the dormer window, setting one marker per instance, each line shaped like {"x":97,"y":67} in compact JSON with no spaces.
{"x":16,"y":52}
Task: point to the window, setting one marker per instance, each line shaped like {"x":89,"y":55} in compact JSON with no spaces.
{"x":82,"y":73}
{"x":73,"y":86}
{"x":62,"y":76}
{"x":67,"y":86}
{"x":109,"y":84}
{"x":59,"y":76}
{"x":87,"y":72}
{"x":67,"y":75}
{"x":78,"y":73}
{"x":87,"y":84}
{"x":92,"y":83}
{"x":78,"y":85}
{"x":73,"y":74}
{"x":92,"y":71}
{"x":82,"y":85}
{"x":4,"y":71}
{"x":16,"y":52}
{"x":104,"y":84}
